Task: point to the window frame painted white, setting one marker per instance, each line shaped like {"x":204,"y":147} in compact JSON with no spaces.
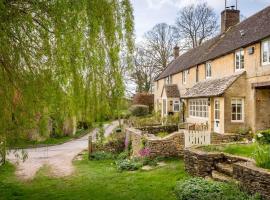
{"x":184,"y":76}
{"x":242,"y":113}
{"x":267,"y":42}
{"x":208,"y":65}
{"x":192,"y":109}
{"x":241,"y":53}
{"x":174,"y":103}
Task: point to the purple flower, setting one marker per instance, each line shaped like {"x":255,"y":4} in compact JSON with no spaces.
{"x":126,"y":142}
{"x":145,"y":152}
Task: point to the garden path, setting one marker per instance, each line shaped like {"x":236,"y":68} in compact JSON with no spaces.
{"x":58,"y":157}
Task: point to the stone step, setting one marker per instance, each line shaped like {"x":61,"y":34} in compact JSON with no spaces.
{"x":225,"y":168}
{"x":217,"y":176}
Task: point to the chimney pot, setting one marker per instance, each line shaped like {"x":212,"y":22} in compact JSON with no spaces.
{"x":176,"y":51}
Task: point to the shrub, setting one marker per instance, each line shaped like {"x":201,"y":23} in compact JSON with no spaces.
{"x":149,"y":161}
{"x":101,"y":155}
{"x":139,"y":110}
{"x":263,"y":137}
{"x":122,"y":156}
{"x":262,"y":156}
{"x":162,"y":134}
{"x":201,"y":189}
{"x":128,"y":165}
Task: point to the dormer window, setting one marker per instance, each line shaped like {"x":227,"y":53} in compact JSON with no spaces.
{"x":169,"y":80}
{"x":208,"y":70}
{"x":239,"y":60}
{"x":266,"y":52}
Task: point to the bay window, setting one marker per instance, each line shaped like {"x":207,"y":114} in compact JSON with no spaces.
{"x":239,"y":60}
{"x":266,"y":52}
{"x":198,"y":108}
{"x":237,"y":105}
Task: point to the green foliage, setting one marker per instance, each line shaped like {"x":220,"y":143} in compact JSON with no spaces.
{"x":150,"y":161}
{"x":101,"y":155}
{"x":162,"y":134}
{"x":201,"y":189}
{"x":123,"y":155}
{"x":128,"y":164}
{"x":139,"y":110}
{"x":263,"y":137}
{"x":262,"y":156}
{"x":62,"y":59}
{"x":172,"y":119}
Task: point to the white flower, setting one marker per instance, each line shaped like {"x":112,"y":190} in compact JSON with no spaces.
{"x":253,"y":140}
{"x":259,"y":135}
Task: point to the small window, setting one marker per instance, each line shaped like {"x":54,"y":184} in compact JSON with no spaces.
{"x":237,"y":110}
{"x":176,"y":106}
{"x":184,"y":76}
{"x":198,"y":108}
{"x":197,"y":74}
{"x":266,"y":52}
{"x":169,"y":80}
{"x":208,"y":70}
{"x":239,"y":60}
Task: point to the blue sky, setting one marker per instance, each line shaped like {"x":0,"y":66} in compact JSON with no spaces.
{"x":147,"y":13}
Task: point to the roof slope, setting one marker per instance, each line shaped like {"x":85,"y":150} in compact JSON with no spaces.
{"x":211,"y":88}
{"x":255,"y":28}
{"x":171,"y":91}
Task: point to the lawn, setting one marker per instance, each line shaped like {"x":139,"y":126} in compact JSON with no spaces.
{"x":246,"y":150}
{"x":97,"y":180}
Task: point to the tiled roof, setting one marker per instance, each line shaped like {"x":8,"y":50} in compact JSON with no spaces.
{"x":171,"y":91}
{"x":212,"y":87}
{"x":253,"y":29}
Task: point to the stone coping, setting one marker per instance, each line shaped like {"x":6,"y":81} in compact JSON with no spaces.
{"x":253,"y":167}
{"x":167,"y":137}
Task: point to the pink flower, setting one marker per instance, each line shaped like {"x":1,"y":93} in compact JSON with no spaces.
{"x":145,"y":152}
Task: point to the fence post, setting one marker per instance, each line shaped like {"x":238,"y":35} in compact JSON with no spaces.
{"x":90,"y":146}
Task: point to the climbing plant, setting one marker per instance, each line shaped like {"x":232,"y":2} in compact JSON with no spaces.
{"x":60,"y":59}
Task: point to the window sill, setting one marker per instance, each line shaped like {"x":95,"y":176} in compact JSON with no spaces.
{"x":239,"y":122}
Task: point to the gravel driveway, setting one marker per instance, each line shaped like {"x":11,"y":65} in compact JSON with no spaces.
{"x":58,"y":158}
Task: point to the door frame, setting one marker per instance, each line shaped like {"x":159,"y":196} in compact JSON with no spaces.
{"x":217,"y":121}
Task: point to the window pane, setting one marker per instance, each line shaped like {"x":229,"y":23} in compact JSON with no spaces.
{"x":239,"y":117}
{"x":233,"y":116}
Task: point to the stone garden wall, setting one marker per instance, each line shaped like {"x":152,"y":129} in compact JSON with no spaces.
{"x":160,"y":128}
{"x":171,"y":145}
{"x":252,"y":178}
{"x":225,"y":138}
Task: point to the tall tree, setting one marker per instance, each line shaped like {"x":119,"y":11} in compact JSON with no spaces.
{"x":196,"y":23}
{"x":60,"y":59}
{"x":159,"y":42}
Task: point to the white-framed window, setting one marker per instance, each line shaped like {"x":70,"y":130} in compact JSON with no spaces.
{"x":198,"y":108}
{"x":176,"y":106}
{"x":208,"y":70}
{"x":239,"y":60}
{"x":265,"y":52}
{"x":169,"y":80}
{"x":237,"y":109}
{"x":184,"y":76}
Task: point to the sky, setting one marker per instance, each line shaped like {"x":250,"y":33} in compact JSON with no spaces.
{"x":147,"y":13}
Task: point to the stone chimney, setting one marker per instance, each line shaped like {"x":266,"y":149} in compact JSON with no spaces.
{"x":176,"y":51}
{"x":229,"y":18}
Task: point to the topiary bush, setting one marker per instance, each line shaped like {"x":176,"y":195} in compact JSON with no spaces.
{"x":139,"y":110}
{"x":263,"y":137}
{"x":201,"y":189}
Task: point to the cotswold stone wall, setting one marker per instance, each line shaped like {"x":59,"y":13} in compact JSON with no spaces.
{"x":160,"y":128}
{"x":171,"y":145}
{"x":225,"y":138}
{"x":250,"y":177}
{"x":256,"y":180}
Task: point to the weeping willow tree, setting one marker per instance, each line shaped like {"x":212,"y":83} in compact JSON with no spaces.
{"x":59,"y":59}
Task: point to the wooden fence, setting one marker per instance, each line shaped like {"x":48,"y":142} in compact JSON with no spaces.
{"x":197,"y":134}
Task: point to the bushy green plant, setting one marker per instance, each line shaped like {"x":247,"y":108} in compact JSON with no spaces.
{"x":149,"y":161}
{"x":263,"y":137}
{"x":201,"y":189}
{"x":262,"y":156}
{"x":139,"y":110}
{"x":101,"y":155}
{"x":123,"y":155}
{"x":173,"y":119}
{"x":128,"y":164}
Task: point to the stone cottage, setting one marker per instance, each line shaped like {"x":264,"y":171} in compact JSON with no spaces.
{"x":225,"y":82}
